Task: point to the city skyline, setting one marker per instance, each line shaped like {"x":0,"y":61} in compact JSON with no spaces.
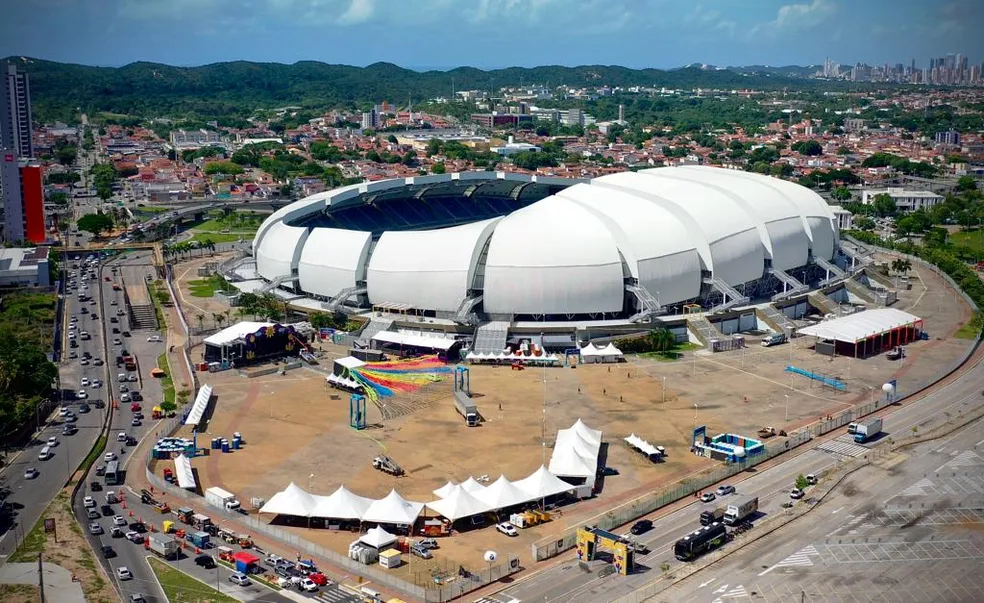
{"x":642,"y":33}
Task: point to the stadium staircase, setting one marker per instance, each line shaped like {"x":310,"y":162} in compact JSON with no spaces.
{"x":491,"y":337}
{"x":821,"y":301}
{"x":876,"y":276}
{"x":464,"y":315}
{"x":860,"y":255}
{"x":232,"y":268}
{"x":649,"y":306}
{"x":142,"y":316}
{"x":703,"y":330}
{"x":373,"y":328}
{"x":343,"y":296}
{"x":833,"y":272}
{"x":276,"y":282}
{"x":792,"y":284}
{"x":776,"y":320}
{"x":731,"y":296}
{"x":859,"y":289}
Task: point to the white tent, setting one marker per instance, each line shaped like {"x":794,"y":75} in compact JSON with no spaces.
{"x":592,"y":435}
{"x":292,"y":501}
{"x":198,"y":408}
{"x":642,"y":445}
{"x":854,"y":328}
{"x":503,"y":493}
{"x":472,"y":486}
{"x":183,"y":471}
{"x":445,"y":490}
{"x":341,"y":504}
{"x":589,"y":351}
{"x":393,"y":509}
{"x":542,"y":483}
{"x":610,"y":352}
{"x":575,"y":452}
{"x":459,"y":504}
{"x":377,"y":538}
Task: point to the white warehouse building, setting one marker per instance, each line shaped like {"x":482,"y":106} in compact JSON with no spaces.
{"x":480,"y":246}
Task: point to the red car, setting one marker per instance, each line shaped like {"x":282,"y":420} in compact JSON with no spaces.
{"x":318,"y":578}
{"x":134,"y":407}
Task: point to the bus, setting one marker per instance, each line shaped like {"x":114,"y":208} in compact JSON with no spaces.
{"x":697,"y":543}
{"x":113,"y":474}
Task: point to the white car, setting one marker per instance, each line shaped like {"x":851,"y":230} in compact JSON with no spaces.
{"x":96,"y":383}
{"x":308,"y":585}
{"x":507,"y":529}
{"x":123,"y":573}
{"x":84,"y":382}
{"x":81,"y":394}
{"x":132,"y":378}
{"x":52,"y":441}
{"x":154,"y":339}
{"x":119,"y":520}
{"x":63,"y":411}
{"x":796,"y":494}
{"x":31,"y":473}
{"x":109,"y":456}
{"x":88,"y":502}
{"x":239,"y":579}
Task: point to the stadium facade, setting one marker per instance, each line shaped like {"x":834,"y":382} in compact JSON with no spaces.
{"x":490,"y":246}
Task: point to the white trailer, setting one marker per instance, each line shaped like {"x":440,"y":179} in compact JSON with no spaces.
{"x":221,"y":499}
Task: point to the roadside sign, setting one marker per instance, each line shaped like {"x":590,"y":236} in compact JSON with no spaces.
{"x":49,"y":524}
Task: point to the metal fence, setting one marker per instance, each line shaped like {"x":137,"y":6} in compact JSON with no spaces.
{"x":448,"y":591}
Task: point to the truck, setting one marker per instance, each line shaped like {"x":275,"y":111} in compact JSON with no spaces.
{"x":221,"y":499}
{"x":866,"y":430}
{"x":129,"y":363}
{"x":711,"y":516}
{"x":466,"y":408}
{"x":199,"y":539}
{"x":740,"y":510}
{"x":774,"y":339}
{"x":164,"y":545}
{"x":200,"y":521}
{"x":387,"y":465}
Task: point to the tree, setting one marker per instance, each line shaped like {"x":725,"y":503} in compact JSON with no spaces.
{"x":200,"y":316}
{"x":660,"y":340}
{"x":58,"y":198}
{"x":438,"y":168}
{"x":901,"y":265}
{"x":168,"y":406}
{"x":966,"y":183}
{"x":841,"y":193}
{"x":808,"y":147}
{"x":224,"y":167}
{"x":96,"y":223}
{"x":864,"y":223}
{"x":66,"y":154}
{"x":884,"y":205}
{"x":801,"y":482}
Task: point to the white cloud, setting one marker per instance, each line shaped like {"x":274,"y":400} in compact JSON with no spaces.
{"x":358,"y":12}
{"x":165,"y":9}
{"x":797,"y":17}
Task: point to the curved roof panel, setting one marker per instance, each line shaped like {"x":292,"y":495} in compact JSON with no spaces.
{"x":428,"y":269}
{"x":553,"y":257}
{"x":332,"y":260}
{"x":279,"y":250}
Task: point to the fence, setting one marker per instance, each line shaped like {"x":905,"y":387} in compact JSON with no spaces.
{"x":456,"y":588}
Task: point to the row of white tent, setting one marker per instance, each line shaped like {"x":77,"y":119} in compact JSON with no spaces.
{"x":344,"y":382}
{"x":609,"y":353}
{"x":198,"y":408}
{"x":644,"y":447}
{"x":456,"y":501}
{"x":508,"y":357}
{"x":183,"y":472}
{"x":575,"y":452}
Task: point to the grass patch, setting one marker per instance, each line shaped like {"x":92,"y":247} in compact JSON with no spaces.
{"x":968,"y":331}
{"x":167,"y":383}
{"x":217,"y":237}
{"x":18,"y":593}
{"x":94,"y":454}
{"x":671,"y":355}
{"x":179,"y":587}
{"x":972,"y":239}
{"x":32,"y":545}
{"x":218,"y":225}
{"x":207,"y":287}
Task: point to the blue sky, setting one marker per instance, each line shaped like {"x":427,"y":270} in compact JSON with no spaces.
{"x":493,"y":33}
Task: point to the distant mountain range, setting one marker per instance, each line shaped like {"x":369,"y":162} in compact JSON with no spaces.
{"x":58,"y":89}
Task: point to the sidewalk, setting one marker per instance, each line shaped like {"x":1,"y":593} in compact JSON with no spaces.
{"x":58,"y":584}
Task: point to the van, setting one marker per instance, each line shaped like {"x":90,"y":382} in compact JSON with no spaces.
{"x":774,"y":339}
{"x":45,"y":454}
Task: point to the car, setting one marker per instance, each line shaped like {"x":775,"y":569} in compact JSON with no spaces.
{"x":109,"y":456}
{"x":239,"y":579}
{"x":154,"y":339}
{"x":100,"y":469}
{"x":31,"y":473}
{"x":99,"y":404}
{"x":92,"y":514}
{"x":95,"y":486}
{"x":123,"y":573}
{"x":134,"y":537}
{"x":63,"y":411}
{"x":428,"y":543}
{"x":135,"y":422}
{"x":421,"y":552}
{"x":83,"y":408}
{"x":796,"y":494}
{"x":88,"y":502}
{"x":132,"y":378}
{"x":116,"y":532}
{"x":107,"y":511}
{"x":126,"y":334}
{"x":73,"y":355}
{"x":641,"y":527}
{"x":82,"y":394}
{"x":98,"y":362}
{"x":506,"y":528}
{"x":108,"y":552}
{"x":95,"y":529}
{"x":69,"y":430}
{"x":119,"y":520}
{"x":84,"y":382}
{"x":811,"y":479}
{"x":53,"y":441}
{"x":707,"y":497}
{"x":137,"y":598}
{"x":139,"y":527}
{"x":120,"y":312}
{"x":131,"y":441}
{"x":71,"y":418}
{"x":205,"y":561}
{"x":72,"y":343}
{"x":308,"y":585}
{"x":124,"y":389}
{"x":318,"y":578}
{"x":725,"y":490}
{"x":117,"y":341}
{"x":113,"y":303}
{"x":136,"y":396}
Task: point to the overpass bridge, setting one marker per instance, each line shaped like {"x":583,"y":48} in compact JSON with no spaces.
{"x":156,"y":248}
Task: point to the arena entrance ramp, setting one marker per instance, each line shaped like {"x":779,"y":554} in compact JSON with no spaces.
{"x":491,"y":337}
{"x":375,"y":326}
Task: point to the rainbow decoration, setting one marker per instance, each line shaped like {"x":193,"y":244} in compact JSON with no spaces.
{"x":383,"y":379}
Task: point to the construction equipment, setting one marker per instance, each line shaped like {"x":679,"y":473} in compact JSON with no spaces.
{"x":387,"y":465}
{"x":766,"y":432}
{"x":226,"y":554}
{"x":162,"y":508}
{"x":245,"y":541}
{"x":529,"y":519}
{"x":168,"y":475}
{"x":517,"y":366}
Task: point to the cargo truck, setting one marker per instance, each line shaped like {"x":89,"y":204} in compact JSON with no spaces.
{"x":164,"y":545}
{"x":866,"y":430}
{"x":221,"y":499}
{"x":709,"y":517}
{"x":466,"y":408}
{"x":200,"y":521}
{"x":740,"y":510}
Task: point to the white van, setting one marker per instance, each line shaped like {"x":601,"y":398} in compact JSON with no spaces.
{"x":774,"y":339}
{"x":45,"y":453}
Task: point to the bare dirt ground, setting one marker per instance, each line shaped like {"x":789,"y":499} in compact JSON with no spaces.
{"x":296,"y":429}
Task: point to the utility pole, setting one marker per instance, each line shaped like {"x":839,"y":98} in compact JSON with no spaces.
{"x":40,"y":578}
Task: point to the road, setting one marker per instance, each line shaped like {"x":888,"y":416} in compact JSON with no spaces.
{"x":907,"y":528}
{"x":565,"y":582}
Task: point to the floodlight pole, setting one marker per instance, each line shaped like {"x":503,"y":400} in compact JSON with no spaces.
{"x":787,"y":408}
{"x":664,"y":390}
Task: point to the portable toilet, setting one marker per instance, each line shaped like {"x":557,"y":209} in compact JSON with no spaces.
{"x":235,"y":443}
{"x":225,"y":445}
{"x":216,"y":443}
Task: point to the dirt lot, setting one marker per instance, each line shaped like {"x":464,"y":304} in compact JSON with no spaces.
{"x":295,"y":428}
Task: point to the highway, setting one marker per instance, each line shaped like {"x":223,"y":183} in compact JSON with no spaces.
{"x":564,"y":582}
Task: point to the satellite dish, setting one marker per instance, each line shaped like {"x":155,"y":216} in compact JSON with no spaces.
{"x":888,"y":388}
{"x":490,"y":556}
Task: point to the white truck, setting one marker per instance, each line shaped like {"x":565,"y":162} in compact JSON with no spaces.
{"x":740,"y":510}
{"x":222,"y":499}
{"x":866,"y":430}
{"x":164,"y":545}
{"x":466,"y":408}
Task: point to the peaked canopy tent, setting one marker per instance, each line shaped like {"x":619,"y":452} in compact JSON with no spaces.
{"x":394,"y":509}
{"x":446,"y":490}
{"x":341,"y":504}
{"x":575,"y":453}
{"x":502,"y":494}
{"x":867,"y":332}
{"x":593,"y":354}
{"x":378,"y":538}
{"x":542,"y":484}
{"x":291,"y":501}
{"x":472,"y":485}
{"x":458,"y":504}
{"x":198,"y":408}
{"x":184,"y":472}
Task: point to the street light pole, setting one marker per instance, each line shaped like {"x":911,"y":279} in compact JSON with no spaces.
{"x":787,"y":408}
{"x":664,"y":390}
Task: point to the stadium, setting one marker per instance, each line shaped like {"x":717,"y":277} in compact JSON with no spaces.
{"x":471,"y":248}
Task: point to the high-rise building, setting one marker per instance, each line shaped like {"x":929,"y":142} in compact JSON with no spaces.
{"x":15,"y":112}
{"x":32,"y":202}
{"x":370,"y":119}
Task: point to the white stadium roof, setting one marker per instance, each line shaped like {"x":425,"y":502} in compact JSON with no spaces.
{"x":567,"y":253}
{"x":862,"y":325}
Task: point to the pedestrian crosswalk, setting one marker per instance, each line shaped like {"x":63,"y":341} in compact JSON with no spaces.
{"x":843,"y":448}
{"x":920,"y":488}
{"x":800,"y":558}
{"x":967,"y":458}
{"x":733,"y":593}
{"x":337,"y":595}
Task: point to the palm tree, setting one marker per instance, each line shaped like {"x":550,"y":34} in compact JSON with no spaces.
{"x":227,"y":314}
{"x":201,"y":320}
{"x":660,"y":339}
{"x":901,"y":266}
{"x":218,"y":318}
